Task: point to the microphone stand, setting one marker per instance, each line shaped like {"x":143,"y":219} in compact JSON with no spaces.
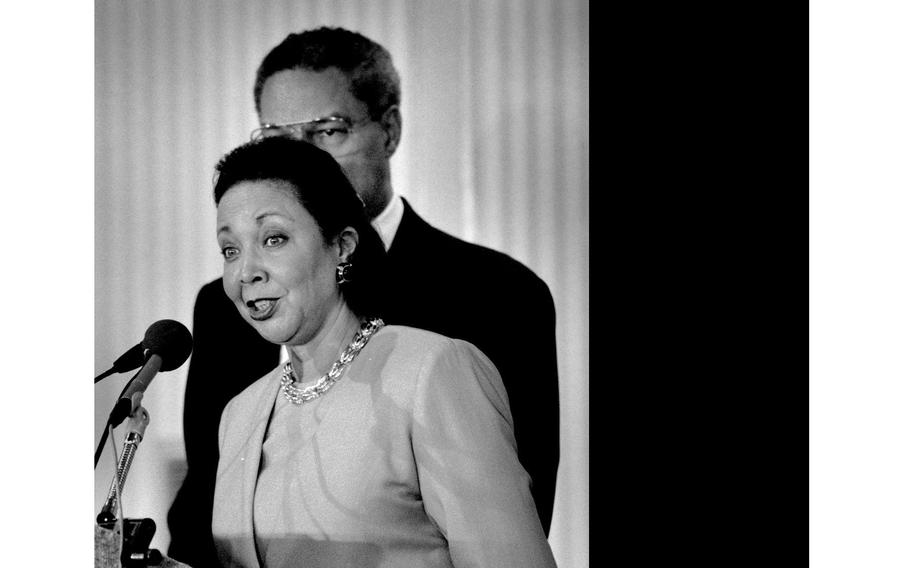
{"x":137,"y":533}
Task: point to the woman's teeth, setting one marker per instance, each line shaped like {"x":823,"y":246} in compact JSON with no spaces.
{"x":261,"y":309}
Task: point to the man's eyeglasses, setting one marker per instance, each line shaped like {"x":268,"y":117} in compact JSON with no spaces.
{"x":329,"y":133}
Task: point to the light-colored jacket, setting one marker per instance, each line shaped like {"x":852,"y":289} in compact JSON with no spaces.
{"x":408,"y":461}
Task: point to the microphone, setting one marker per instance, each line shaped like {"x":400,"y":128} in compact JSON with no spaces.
{"x":167,"y":344}
{"x":171,"y":340}
{"x":156,"y":338}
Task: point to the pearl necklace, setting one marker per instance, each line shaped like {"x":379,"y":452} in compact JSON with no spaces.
{"x":298,"y":396}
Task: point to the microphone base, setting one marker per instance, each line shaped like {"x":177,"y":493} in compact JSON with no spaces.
{"x":137,"y":535}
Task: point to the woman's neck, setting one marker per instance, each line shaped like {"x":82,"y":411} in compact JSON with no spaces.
{"x":315,"y":358}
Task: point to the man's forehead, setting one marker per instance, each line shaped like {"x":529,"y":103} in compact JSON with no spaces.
{"x":302,"y":94}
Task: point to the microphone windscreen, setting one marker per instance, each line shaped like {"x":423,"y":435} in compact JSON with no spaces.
{"x":171,"y":340}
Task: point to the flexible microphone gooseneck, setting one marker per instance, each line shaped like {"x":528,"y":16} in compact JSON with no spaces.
{"x":135,"y":430}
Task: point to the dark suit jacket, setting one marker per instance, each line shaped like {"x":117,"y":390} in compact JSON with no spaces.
{"x":436,"y":282}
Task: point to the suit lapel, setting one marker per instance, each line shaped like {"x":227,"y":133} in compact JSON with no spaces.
{"x":251,"y":454}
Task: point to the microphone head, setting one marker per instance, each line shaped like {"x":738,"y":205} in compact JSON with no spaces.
{"x":170,"y":340}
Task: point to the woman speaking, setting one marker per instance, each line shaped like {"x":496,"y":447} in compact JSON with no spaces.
{"x":373,"y":445}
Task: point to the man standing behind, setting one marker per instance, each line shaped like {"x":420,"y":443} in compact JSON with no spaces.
{"x":340,"y":91}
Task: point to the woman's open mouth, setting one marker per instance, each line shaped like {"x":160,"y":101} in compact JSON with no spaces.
{"x":262,"y":308}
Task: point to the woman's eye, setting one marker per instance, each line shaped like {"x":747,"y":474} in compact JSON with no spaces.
{"x":229,"y":252}
{"x":275,"y":240}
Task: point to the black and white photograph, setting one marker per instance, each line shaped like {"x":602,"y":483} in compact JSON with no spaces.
{"x":340,"y":283}
{"x":328,"y":262}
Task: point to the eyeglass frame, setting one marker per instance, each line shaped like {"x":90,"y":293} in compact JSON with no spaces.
{"x":295,"y":126}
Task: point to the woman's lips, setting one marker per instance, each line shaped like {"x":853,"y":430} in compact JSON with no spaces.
{"x":262,"y":308}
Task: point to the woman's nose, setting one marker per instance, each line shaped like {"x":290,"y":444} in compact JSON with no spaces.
{"x":251,"y":269}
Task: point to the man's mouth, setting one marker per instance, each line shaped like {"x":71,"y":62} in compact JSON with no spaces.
{"x":262,"y":309}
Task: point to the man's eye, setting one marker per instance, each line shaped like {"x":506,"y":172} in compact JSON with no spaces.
{"x":275,"y":240}
{"x":229,"y":252}
{"x":332,"y":132}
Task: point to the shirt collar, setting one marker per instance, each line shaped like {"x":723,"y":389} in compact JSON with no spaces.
{"x":387,"y":222}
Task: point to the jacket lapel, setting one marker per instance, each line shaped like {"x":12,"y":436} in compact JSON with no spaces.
{"x":250,"y":454}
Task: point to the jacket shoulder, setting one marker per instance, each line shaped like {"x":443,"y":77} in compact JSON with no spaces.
{"x":211,"y":291}
{"x":449,"y":253}
{"x":404,"y":342}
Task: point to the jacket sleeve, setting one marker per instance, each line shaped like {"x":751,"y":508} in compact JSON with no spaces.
{"x":471,"y":481}
{"x":525,"y":354}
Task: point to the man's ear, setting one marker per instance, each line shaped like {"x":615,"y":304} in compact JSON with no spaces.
{"x":391,"y":124}
{"x":347,"y":243}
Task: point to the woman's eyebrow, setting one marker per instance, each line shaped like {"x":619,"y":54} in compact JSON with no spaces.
{"x":263,"y":215}
{"x":259,"y":219}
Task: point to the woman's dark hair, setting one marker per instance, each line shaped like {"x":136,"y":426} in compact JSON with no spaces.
{"x":324,"y":191}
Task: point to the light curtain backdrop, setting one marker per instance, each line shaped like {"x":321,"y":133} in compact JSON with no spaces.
{"x":494,"y":150}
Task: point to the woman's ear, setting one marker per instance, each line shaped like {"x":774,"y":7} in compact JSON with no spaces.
{"x":391,"y":124}
{"x":347,"y":243}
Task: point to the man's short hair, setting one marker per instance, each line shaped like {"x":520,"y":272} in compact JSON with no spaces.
{"x":367,"y":64}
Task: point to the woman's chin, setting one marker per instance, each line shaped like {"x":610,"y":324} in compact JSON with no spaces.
{"x":271,"y":331}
